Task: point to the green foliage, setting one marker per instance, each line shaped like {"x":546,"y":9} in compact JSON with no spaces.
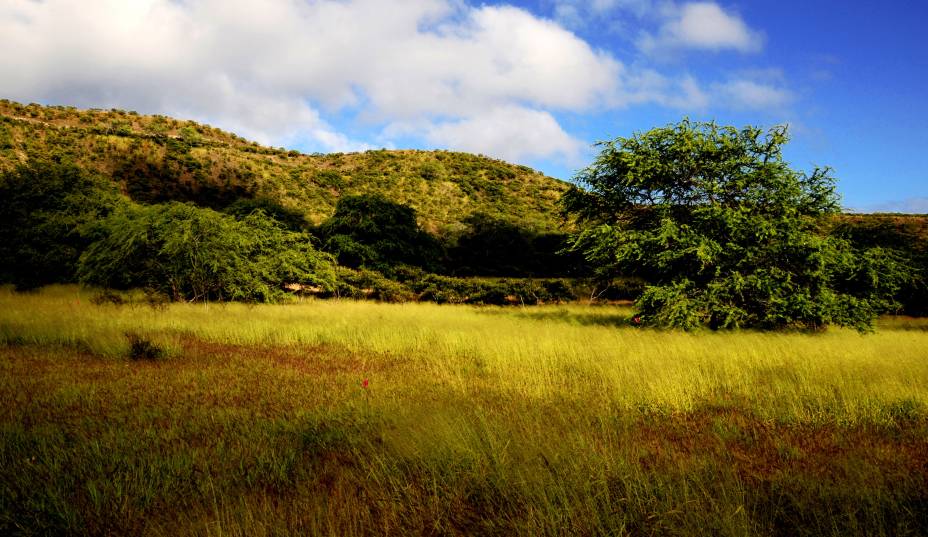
{"x":369,"y":284}
{"x":156,"y":159}
{"x":903,"y":239}
{"x":290,"y":218}
{"x":726,"y":234}
{"x":495,"y":291}
{"x":411,"y":284}
{"x":46,"y":209}
{"x":192,"y":253}
{"x":370,"y":231}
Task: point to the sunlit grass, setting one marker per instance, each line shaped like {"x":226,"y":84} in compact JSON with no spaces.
{"x":477,"y":420}
{"x":588,"y":353}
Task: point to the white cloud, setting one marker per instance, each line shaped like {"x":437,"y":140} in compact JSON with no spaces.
{"x":271,"y":70}
{"x":744,"y":93}
{"x":703,"y":26}
{"x":511,"y":133}
{"x":443,"y":71}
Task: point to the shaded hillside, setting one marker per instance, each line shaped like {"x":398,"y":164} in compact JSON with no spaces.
{"x":157,"y":158}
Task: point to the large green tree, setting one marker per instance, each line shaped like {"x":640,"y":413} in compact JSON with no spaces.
{"x":725,"y":233}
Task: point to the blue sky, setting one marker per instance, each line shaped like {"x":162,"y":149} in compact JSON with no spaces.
{"x":535,"y":82}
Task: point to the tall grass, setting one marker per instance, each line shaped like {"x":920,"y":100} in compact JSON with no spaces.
{"x":475,"y":420}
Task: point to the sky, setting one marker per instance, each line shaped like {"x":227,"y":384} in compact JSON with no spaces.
{"x":532,"y":82}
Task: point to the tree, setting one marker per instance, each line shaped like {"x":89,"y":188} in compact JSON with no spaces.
{"x":193,"y":253}
{"x":491,"y":246}
{"x":46,"y":208}
{"x":369,"y":231}
{"x":725,"y":233}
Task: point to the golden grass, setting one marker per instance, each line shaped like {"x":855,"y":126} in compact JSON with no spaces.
{"x":477,"y":420}
{"x":576,"y":352}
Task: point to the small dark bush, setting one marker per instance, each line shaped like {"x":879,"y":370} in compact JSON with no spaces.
{"x":141,"y":348}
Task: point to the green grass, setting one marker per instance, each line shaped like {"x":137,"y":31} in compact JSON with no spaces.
{"x":477,"y":420}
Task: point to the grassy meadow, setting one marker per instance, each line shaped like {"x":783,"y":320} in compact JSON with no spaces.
{"x":358,"y":418}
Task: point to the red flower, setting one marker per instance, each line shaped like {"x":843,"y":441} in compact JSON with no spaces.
{"x":364,"y":383}
{"x":637,"y":319}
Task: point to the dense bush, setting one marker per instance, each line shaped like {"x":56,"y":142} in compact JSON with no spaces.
{"x":192,"y":253}
{"x":290,"y":218}
{"x":46,"y":207}
{"x":498,"y":291}
{"x":369,"y":284}
{"x":413,"y":284}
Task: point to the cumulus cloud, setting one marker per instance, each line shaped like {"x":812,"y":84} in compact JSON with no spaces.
{"x":512,"y":133}
{"x":488,"y":78}
{"x":700,"y":25}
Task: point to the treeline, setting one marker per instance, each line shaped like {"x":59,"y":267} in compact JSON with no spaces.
{"x":64,"y":224}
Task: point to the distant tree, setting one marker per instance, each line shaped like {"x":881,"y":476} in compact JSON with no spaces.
{"x":192,"y":253}
{"x":491,"y":246}
{"x":370,"y":231}
{"x":725,"y":232}
{"x":46,"y":207}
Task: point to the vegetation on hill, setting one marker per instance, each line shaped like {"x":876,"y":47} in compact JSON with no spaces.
{"x":157,"y":159}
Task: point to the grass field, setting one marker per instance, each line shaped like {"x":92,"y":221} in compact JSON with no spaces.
{"x":552,"y":420}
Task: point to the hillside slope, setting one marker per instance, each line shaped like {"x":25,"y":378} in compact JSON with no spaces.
{"x":157,"y":158}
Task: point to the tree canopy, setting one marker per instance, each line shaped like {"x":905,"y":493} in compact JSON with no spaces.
{"x":725,"y":233}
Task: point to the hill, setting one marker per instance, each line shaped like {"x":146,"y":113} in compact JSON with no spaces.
{"x":157,"y":158}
